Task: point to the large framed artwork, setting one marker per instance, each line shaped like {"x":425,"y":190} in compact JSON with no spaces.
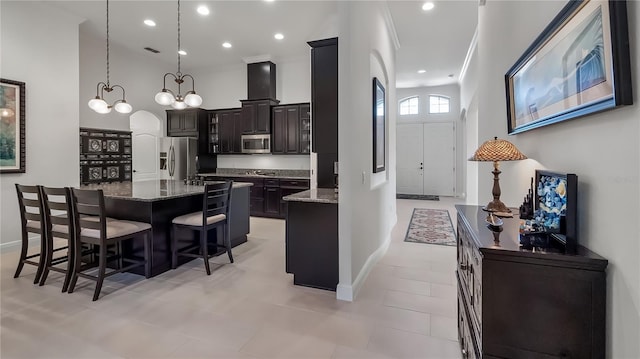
{"x":579,"y":65}
{"x":12,"y":117}
{"x":379,"y":125}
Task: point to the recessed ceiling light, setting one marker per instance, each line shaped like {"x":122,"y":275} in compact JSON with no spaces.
{"x":150,"y":22}
{"x":278,"y":36}
{"x":182,"y":52}
{"x":428,"y":6}
{"x":422,"y":71}
{"x":203,"y":10}
{"x":226,"y":45}
{"x":269,"y":0}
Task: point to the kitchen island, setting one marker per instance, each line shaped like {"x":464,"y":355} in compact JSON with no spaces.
{"x":312,"y":238}
{"x":157,"y":202}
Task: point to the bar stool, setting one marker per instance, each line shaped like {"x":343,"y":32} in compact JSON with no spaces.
{"x":92,"y":226}
{"x":58,"y":215}
{"x":32,"y":221}
{"x":215,"y":213}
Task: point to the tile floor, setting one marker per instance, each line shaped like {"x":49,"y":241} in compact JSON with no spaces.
{"x":250,"y":309}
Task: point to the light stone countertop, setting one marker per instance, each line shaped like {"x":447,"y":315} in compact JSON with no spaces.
{"x":215,"y":174}
{"x":152,"y":190}
{"x":317,"y":195}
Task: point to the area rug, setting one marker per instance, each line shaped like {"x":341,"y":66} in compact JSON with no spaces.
{"x":431,"y":226}
{"x":428,"y":197}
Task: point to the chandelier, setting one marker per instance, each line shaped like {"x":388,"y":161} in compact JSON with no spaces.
{"x":98,"y":104}
{"x":167,"y":97}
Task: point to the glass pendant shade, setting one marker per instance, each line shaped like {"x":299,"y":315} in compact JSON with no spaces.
{"x":97,"y":103}
{"x":164,"y":98}
{"x":123,"y":107}
{"x":179,"y":105}
{"x":103,"y":110}
{"x":193,"y":100}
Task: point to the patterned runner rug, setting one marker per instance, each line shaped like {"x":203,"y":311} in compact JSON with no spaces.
{"x":428,"y":197}
{"x":431,"y":226}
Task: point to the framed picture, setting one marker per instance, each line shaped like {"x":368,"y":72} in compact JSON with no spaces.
{"x":379,"y":124}
{"x":579,"y":65}
{"x":12,"y":117}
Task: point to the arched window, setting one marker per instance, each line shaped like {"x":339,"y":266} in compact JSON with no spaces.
{"x":409,"y":106}
{"x":438,"y":104}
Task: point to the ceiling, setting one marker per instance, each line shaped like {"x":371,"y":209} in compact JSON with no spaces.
{"x":435,"y":41}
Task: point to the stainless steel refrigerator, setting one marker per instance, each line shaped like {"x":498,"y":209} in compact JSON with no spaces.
{"x":178,"y":157}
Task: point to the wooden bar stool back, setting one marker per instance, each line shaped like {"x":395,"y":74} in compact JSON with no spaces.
{"x":92,"y":226}
{"x":31,"y":221}
{"x":215,"y":213}
{"x":58,"y":214}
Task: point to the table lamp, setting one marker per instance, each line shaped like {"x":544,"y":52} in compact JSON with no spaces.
{"x":497,"y":150}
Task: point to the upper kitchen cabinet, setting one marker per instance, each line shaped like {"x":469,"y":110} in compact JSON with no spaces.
{"x":256,"y":116}
{"x":185,"y":123}
{"x":225,"y":131}
{"x":290,"y":129}
{"x":324,"y":107}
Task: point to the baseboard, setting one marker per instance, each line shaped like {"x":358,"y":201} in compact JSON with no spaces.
{"x":13,"y":245}
{"x":349,"y":292}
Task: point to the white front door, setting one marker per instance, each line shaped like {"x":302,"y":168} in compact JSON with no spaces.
{"x":145,"y":128}
{"x":439,"y":159}
{"x":409,"y":159}
{"x":426,"y":159}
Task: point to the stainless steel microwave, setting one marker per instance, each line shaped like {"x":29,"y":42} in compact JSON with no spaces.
{"x":256,"y":143}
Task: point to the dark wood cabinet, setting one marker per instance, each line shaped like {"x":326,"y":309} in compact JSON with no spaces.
{"x":311,"y":244}
{"x":324,"y":107}
{"x":266,"y":193}
{"x":225,"y":131}
{"x":272,"y":197}
{"x":288,"y":122}
{"x":105,"y":156}
{"x":184,"y":123}
{"x":305,"y":129}
{"x":521,"y":303}
{"x":256,"y":116}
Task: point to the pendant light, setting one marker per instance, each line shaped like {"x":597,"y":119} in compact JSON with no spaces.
{"x":98,"y":104}
{"x":167,"y":97}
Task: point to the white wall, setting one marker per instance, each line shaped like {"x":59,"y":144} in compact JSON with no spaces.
{"x":271,"y":162}
{"x":453,"y":92}
{"x":40,"y":48}
{"x":139,"y":74}
{"x":225,"y":87}
{"x":469,"y":110}
{"x":602,"y":149}
{"x":366,"y":207}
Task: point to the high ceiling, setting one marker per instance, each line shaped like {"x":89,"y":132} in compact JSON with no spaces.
{"x":435,"y":41}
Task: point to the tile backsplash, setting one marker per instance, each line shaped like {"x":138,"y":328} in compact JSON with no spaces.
{"x":266,"y":161}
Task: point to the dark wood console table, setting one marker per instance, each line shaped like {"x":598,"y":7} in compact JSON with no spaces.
{"x":518,"y":303}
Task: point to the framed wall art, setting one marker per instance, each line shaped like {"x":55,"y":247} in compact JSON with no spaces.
{"x":579,"y":65}
{"x":12,"y":118}
{"x":379,"y":126}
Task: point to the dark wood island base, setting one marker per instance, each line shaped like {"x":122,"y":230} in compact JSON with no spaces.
{"x":157,"y":203}
{"x":312,"y":238}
